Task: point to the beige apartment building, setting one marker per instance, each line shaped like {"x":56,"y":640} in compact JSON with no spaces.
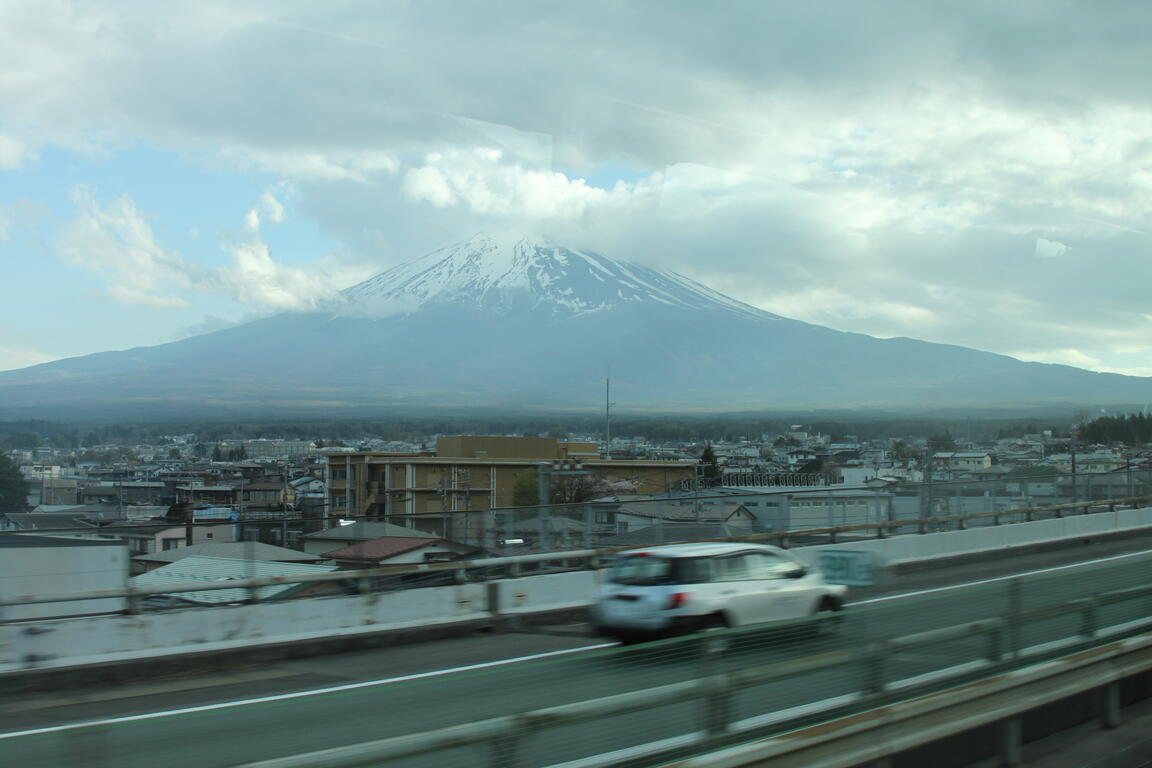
{"x":471,"y":472}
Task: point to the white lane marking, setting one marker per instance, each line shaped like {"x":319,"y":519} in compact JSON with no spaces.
{"x":996,"y":579}
{"x":302,"y":694}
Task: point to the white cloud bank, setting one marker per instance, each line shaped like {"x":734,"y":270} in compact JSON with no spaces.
{"x":114,"y":241}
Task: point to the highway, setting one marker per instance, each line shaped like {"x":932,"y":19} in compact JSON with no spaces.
{"x":310,"y":704}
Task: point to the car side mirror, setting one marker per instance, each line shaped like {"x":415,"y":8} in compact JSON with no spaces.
{"x":798,"y":572}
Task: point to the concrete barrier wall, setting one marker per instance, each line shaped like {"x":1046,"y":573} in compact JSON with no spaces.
{"x":555,"y":591}
{"x":68,"y":642}
{"x":914,"y":548}
{"x":61,"y":643}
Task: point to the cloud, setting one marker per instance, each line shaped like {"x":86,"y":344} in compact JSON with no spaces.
{"x":1050,"y":249}
{"x":13,"y":153}
{"x":115,"y":241}
{"x":1064,"y":356}
{"x":255,"y":279}
{"x":17,"y":350}
{"x":272,"y":208}
{"x":481,"y":180}
{"x":361,"y":167}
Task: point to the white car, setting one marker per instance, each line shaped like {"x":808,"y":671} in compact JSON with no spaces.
{"x":678,"y":588}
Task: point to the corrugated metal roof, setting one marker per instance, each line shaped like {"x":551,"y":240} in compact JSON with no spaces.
{"x":200,"y":568}
{"x":239,"y":550}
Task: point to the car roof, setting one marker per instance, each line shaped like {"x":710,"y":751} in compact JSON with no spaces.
{"x":701,"y":549}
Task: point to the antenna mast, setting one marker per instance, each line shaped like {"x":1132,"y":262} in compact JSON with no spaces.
{"x":608,"y":416}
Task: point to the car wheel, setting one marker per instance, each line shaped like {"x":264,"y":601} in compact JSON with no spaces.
{"x":713,"y":627}
{"x":827,"y":615}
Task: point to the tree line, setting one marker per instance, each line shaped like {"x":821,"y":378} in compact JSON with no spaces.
{"x":1132,"y":429}
{"x":679,"y":428}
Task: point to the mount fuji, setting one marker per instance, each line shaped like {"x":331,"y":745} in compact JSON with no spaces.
{"x":518,"y":322}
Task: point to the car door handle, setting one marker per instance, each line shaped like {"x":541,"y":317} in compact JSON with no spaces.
{"x":728,"y":592}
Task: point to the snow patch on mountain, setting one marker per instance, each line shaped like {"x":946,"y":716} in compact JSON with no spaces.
{"x":509,"y":274}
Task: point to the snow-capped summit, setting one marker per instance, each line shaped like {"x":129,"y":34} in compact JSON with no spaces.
{"x":513,"y":273}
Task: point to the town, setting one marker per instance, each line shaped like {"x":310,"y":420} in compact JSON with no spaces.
{"x":181,"y":508}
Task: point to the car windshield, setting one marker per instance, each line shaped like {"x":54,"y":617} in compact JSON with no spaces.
{"x":646,"y":570}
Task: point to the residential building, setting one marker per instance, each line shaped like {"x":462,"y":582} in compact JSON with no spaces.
{"x":144,"y":539}
{"x":468,"y":472}
{"x":961,"y":461}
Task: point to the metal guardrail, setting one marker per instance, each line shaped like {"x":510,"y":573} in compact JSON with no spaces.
{"x":483,"y":569}
{"x":505,"y":734}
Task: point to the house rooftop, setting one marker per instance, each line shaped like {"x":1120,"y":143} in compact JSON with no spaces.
{"x":382,"y":548}
{"x":36,"y":521}
{"x":364,"y":530}
{"x":200,"y":568}
{"x":20,"y":541}
{"x":242,"y":550}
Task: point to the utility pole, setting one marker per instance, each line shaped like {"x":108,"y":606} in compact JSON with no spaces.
{"x":1072,"y":448}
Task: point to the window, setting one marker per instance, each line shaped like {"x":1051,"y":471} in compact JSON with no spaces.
{"x":643,"y":570}
{"x":171,"y":543}
{"x":768,"y":566}
{"x":732,"y":568}
{"x":339,"y":474}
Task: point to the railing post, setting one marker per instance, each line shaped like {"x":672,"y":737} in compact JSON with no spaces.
{"x":1089,"y":618}
{"x":874,"y":663}
{"x":995,"y":643}
{"x":492,"y":593}
{"x":1011,"y":743}
{"x":1015,"y":617}
{"x":1110,"y":709}
{"x":505,"y":749}
{"x":717,"y":711}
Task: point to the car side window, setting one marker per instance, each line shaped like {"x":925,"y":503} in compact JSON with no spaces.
{"x":731,"y":568}
{"x":769,"y":566}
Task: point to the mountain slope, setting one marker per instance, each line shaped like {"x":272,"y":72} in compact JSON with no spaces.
{"x":519,"y":323}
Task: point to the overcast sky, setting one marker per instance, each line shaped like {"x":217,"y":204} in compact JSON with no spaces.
{"x":976,"y":173}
